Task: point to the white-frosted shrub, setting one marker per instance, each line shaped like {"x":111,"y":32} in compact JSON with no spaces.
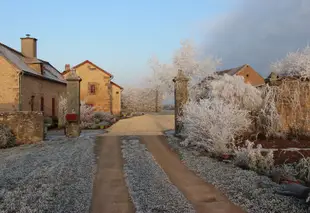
{"x":62,"y":110}
{"x":252,"y":158}
{"x":213,"y":124}
{"x":231,"y":89}
{"x":86,"y":115}
{"x":268,"y":118}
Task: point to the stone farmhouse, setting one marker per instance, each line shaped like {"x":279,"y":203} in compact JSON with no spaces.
{"x":28,"y":83}
{"x":97,"y":87}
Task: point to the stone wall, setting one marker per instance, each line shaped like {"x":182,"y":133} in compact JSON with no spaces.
{"x":36,"y":92}
{"x":28,"y":127}
{"x":293,"y":104}
{"x":9,"y":86}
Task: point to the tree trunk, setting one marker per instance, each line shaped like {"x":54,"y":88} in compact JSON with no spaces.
{"x":156,"y":100}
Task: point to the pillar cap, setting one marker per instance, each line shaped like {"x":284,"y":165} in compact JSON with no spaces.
{"x":180,"y":76}
{"x":73,"y":76}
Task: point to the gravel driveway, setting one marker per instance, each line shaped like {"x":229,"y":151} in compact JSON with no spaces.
{"x":245,"y":188}
{"x":148,"y":184}
{"x":55,"y":176}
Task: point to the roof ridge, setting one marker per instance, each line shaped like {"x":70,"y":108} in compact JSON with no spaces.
{"x":84,"y":62}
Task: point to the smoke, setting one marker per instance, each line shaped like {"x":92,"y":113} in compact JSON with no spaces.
{"x":259,"y":32}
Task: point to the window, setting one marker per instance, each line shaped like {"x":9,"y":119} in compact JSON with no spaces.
{"x":92,"y":89}
{"x":53,"y":106}
{"x":32,"y":103}
{"x":42,"y":104}
{"x":117,"y":92}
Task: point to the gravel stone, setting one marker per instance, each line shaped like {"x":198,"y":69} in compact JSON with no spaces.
{"x":54,"y":176}
{"x":254,"y":193}
{"x":149,"y":186}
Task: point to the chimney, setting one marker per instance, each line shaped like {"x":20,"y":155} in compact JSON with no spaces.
{"x":67,"y":67}
{"x":29,"y":46}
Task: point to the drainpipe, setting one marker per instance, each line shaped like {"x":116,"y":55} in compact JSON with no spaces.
{"x":111,"y":96}
{"x":20,"y":90}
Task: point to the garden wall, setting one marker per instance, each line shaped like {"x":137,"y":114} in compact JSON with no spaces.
{"x":28,"y":127}
{"x":293,"y":104}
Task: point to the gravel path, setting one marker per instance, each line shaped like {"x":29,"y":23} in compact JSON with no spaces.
{"x":150,"y":188}
{"x":245,"y":188}
{"x":54,"y":176}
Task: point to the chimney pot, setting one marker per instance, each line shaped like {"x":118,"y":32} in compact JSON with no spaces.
{"x":67,"y":67}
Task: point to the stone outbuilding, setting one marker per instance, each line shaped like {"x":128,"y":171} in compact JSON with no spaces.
{"x":28,"y":83}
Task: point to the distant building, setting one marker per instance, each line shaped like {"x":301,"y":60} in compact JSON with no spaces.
{"x":248,"y":73}
{"x":28,"y":83}
{"x":97,"y":89}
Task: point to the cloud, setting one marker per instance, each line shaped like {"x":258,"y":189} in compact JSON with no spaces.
{"x":259,"y":32}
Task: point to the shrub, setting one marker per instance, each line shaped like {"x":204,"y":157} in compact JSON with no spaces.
{"x":7,"y":138}
{"x":62,"y":111}
{"x":252,"y":158}
{"x":87,"y":115}
{"x":230,"y":89}
{"x":48,"y":121}
{"x":303,"y":169}
{"x":103,"y":116}
{"x":268,"y":119}
{"x":213,"y":124}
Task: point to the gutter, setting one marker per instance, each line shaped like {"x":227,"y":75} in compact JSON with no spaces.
{"x":44,"y":78}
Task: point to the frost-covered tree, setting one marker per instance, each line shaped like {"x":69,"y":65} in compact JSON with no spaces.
{"x":186,"y":58}
{"x":138,"y":100}
{"x":294,"y":64}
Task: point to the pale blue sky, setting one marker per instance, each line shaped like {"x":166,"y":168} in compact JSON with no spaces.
{"x":120,"y":36}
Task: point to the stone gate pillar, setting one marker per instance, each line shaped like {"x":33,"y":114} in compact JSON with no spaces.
{"x":73,"y":105}
{"x":180,"y":98}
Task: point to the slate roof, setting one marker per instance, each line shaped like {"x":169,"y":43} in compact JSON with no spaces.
{"x":20,"y":61}
{"x":231,"y":71}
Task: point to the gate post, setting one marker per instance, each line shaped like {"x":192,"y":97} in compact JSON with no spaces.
{"x":180,"y":98}
{"x":72,"y":128}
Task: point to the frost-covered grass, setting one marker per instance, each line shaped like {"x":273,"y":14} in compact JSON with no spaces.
{"x":55,"y":176}
{"x":149,"y":186}
{"x":254,"y":193}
